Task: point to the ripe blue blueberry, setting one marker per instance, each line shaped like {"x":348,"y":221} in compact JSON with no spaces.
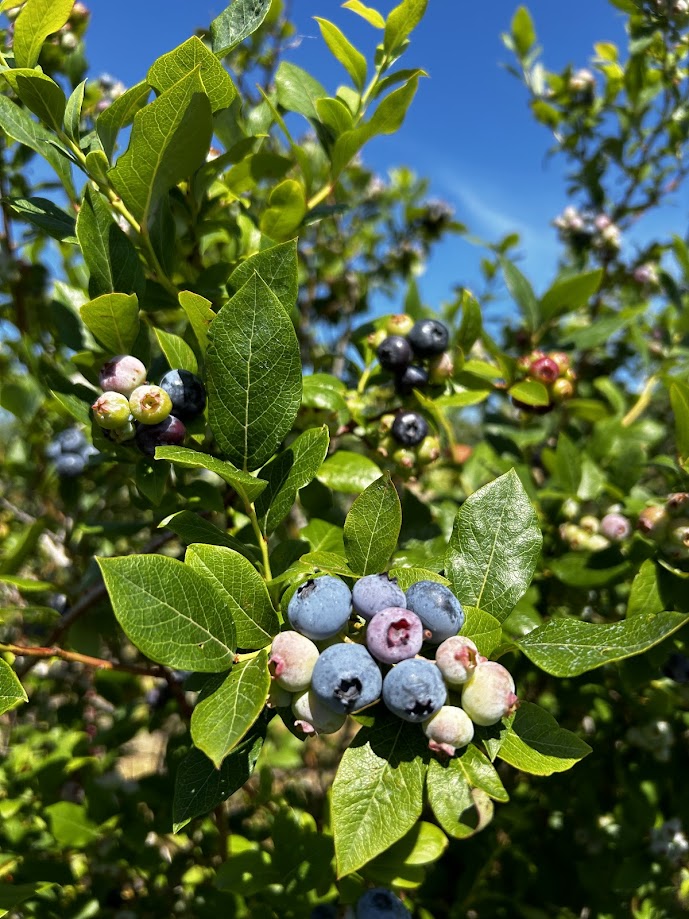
{"x":346,"y":678}
{"x":409,"y":428}
{"x":375,"y":592}
{"x":438,"y":609}
{"x":320,"y":608}
{"x":70,"y":465}
{"x":414,"y":377}
{"x":313,"y":716}
{"x":71,"y":440}
{"x":428,"y":337}
{"x":394,"y":634}
{"x":292,"y":659}
{"x":187,"y":392}
{"x":169,"y":433}
{"x":414,"y":690}
{"x":488,"y":695}
{"x":394,"y":353}
{"x":381,"y":903}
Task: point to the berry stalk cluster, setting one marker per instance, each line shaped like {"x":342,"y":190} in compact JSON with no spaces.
{"x":554,"y":371}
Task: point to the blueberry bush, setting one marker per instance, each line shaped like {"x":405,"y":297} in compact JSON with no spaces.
{"x":308,"y":611}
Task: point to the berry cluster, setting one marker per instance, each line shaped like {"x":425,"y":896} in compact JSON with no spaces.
{"x":582,"y":229}
{"x":341,"y":677}
{"x":554,"y":372}
{"x":415,"y":352}
{"x":592,"y":534}
{"x":70,"y":451}
{"x":668,"y":526}
{"x":152,"y":416}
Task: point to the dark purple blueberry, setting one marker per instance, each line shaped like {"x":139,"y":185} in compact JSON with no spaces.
{"x":409,"y":428}
{"x":677,"y":667}
{"x":394,"y":353}
{"x":169,"y":433}
{"x":187,"y":392}
{"x":429,"y":337}
{"x":414,"y":377}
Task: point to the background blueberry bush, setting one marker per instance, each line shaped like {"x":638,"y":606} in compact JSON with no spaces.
{"x":217,"y":224}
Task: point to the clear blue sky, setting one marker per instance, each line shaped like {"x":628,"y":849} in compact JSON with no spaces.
{"x":469,"y":128}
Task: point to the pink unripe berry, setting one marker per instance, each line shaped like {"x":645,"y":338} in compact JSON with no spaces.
{"x":448,"y":729}
{"x":122,"y":374}
{"x":457,"y":658}
{"x":292,"y":659}
{"x":545,"y":370}
{"x":441,"y":368}
{"x":111,"y":411}
{"x":653,"y":521}
{"x":677,"y":502}
{"x":150,"y":404}
{"x":678,"y":539}
{"x":394,"y":634}
{"x":615,"y":527}
{"x":313,"y":717}
{"x":489,"y":695}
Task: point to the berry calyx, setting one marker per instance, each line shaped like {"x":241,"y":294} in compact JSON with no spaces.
{"x":394,"y":635}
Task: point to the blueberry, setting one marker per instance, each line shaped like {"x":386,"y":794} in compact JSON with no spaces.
{"x":438,"y":609}
{"x":399,"y":324}
{"x":346,"y":678}
{"x":449,"y":729}
{"x":677,"y":668}
{"x":615,"y":527}
{"x":54,"y":449}
{"x":313,"y":716}
{"x":278,"y":697}
{"x":457,"y":658}
{"x":545,"y":369}
{"x":150,"y":404}
{"x":71,"y":440}
{"x":123,"y":434}
{"x":488,"y":695}
{"x":394,"y":634}
{"x":320,"y":608}
{"x":414,"y":690}
{"x":292,"y":659}
{"x":111,"y":411}
{"x":409,"y":428}
{"x":381,"y":903}
{"x":375,"y":592}
{"x":414,"y":377}
{"x":187,"y":392}
{"x":122,"y":374}
{"x":394,"y":353}
{"x":324,"y":911}
{"x":70,"y":465}
{"x":169,"y":433}
{"x":429,"y":337}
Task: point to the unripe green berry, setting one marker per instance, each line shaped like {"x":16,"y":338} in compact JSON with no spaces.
{"x":589,"y":523}
{"x":441,"y":368}
{"x":489,"y":694}
{"x":313,"y":717}
{"x":278,"y":697}
{"x":653,"y":521}
{"x":428,"y":450}
{"x":399,"y":324}
{"x":150,"y":404}
{"x":677,"y":544}
{"x":292,"y":659}
{"x":448,"y":729}
{"x":404,"y":458}
{"x":561,"y":390}
{"x":376,"y":338}
{"x":111,"y":411}
{"x":677,"y":503}
{"x":123,"y":434}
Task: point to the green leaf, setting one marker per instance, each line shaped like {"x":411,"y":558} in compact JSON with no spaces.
{"x":242,"y":589}
{"x":531,"y":392}
{"x":199,"y":313}
{"x":16,"y":122}
{"x":45,"y":215}
{"x":585,"y":569}
{"x":401,"y":22}
{"x":537,"y":744}
{"x":523,"y":32}
{"x":679,"y":399}
{"x":246,"y":175}
{"x":329,"y":562}
{"x":408,"y":576}
{"x":568,"y":647}
{"x":177,"y":352}
{"x":494,"y":547}
{"x":40,"y":94}
{"x":37,"y":20}
{"x":11,"y":690}
{"x":70,"y":825}
{"x":222,"y":718}
{"x":170,"y":612}
{"x":277,"y":268}
{"x":372,"y":527}
{"x":289,"y":471}
{"x":169,"y":142}
{"x":568,"y":464}
{"x":424,"y":844}
{"x":121,"y":114}
{"x":191,"y":528}
{"x":481,"y":773}
{"x":321,"y":390}
{"x":297,"y":91}
{"x":335,"y":114}
{"x":373,"y":17}
{"x":522,"y":293}
{"x":237,"y":22}
{"x":483,"y":629}
{"x":569,"y":294}
{"x":242,"y":482}
{"x":254,"y":375}
{"x":189,"y":56}
{"x":25,"y":584}
{"x":472,"y":322}
{"x":285,"y":211}
{"x":13,"y":895}
{"x":389,"y":756}
{"x":200,"y":787}
{"x":110,"y":255}
{"x":151,"y":480}
{"x":461,"y":810}
{"x":114,"y":321}
{"x":644,"y":595}
{"x":72,"y":118}
{"x":389,"y":115}
{"x":348,"y":472}
{"x":344,"y":51}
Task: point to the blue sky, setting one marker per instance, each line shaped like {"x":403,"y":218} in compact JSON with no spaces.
{"x":469,"y":128}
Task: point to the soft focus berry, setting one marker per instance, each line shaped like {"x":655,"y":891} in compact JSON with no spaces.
{"x":292,"y":659}
{"x":438,"y":609}
{"x":394,"y":634}
{"x":488,"y":695}
{"x":456,"y":659}
{"x":615,"y":527}
{"x":653,"y":521}
{"x":122,"y":374}
{"x":449,"y":729}
{"x":150,"y":404}
{"x":441,"y":368}
{"x":409,"y":428}
{"x":399,"y":324}
{"x":381,"y":903}
{"x":320,"y":608}
{"x":545,"y":370}
{"x":70,"y":465}
{"x":346,"y":678}
{"x":414,"y":377}
{"x":428,"y":338}
{"x":428,"y":450}
{"x":375,"y":592}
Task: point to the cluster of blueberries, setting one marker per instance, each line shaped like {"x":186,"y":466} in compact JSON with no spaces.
{"x":131,"y":409}
{"x":377,"y":903}
{"x":667,"y":525}
{"x":70,"y":451}
{"x":554,"y":372}
{"x":325,"y":676}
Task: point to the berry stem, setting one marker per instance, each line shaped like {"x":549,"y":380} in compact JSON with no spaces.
{"x":262,"y":541}
{"x":641,"y":403}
